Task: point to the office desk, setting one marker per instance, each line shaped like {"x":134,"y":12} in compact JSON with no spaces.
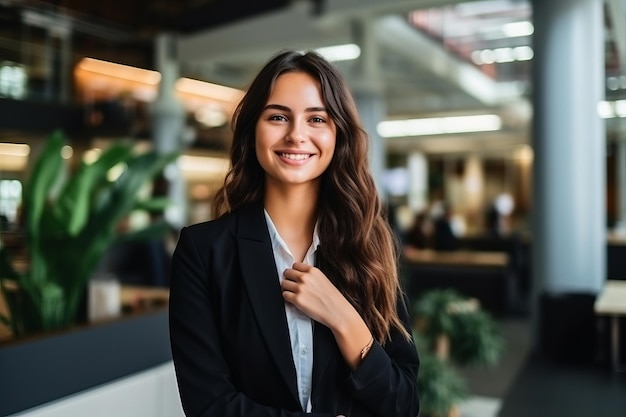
{"x":612,"y":302}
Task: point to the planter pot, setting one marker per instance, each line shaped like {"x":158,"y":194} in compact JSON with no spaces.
{"x":43,"y":368}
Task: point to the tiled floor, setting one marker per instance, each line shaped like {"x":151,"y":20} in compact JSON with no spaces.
{"x":489,"y":386}
{"x":480,"y":407}
{"x":524,"y":384}
{"x":544,"y":389}
{"x":495,"y":382}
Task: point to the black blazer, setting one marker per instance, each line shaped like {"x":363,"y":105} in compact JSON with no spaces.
{"x":230,"y":340}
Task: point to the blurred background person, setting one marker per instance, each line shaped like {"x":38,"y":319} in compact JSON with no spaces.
{"x":419,"y":234}
{"x":444,"y":236}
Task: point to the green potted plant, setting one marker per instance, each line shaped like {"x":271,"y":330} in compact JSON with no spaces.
{"x":451,"y":331}
{"x":70,"y":220}
{"x":440,"y":387}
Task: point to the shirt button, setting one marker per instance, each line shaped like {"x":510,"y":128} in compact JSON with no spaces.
{"x":305,"y":391}
{"x":304,"y":351}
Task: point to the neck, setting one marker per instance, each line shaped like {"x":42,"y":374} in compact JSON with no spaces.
{"x":293,"y":209}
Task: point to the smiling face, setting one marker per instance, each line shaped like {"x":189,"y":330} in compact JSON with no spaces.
{"x":294,"y":136}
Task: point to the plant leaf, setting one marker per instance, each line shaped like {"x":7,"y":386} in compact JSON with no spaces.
{"x":52,"y":305}
{"x":114,"y":202}
{"x":46,"y":172}
{"x":154,"y":204}
{"x":74,"y":202}
{"x":68,"y":236}
{"x":433,"y":308}
{"x":439,"y":386}
{"x":119,"y":199}
{"x":476,"y":340}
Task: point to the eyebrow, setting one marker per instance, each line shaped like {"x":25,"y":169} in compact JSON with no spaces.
{"x":287,"y":109}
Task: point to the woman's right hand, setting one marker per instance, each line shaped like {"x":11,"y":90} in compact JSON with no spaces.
{"x":307,"y":288}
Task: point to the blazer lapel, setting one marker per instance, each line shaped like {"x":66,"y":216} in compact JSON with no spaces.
{"x":324,"y":347}
{"x":261,"y":280}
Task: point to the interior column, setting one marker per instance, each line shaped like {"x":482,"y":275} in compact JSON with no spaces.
{"x":568,"y":230}
{"x":367,"y":89}
{"x":620,"y":223}
{"x":167,"y":123}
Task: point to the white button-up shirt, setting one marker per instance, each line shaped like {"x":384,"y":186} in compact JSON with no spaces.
{"x":300,"y":325}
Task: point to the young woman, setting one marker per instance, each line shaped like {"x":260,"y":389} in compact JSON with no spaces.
{"x":289,"y":303}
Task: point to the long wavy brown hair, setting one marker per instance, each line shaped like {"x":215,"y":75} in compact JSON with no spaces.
{"x":357,"y":249}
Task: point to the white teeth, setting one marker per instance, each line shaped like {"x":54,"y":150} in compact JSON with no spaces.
{"x":295,"y":156}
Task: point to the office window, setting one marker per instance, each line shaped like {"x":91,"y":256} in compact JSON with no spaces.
{"x":10,"y":200}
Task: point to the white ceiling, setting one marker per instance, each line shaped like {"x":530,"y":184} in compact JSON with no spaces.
{"x":420,"y":72}
{"x":415,"y":53}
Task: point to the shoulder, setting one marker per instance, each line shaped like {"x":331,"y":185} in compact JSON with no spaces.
{"x":210,"y":231}
{"x":224,"y":228}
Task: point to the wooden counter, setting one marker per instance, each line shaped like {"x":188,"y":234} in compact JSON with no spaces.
{"x":137,"y":297}
{"x":485,"y":276}
{"x":459,"y":257}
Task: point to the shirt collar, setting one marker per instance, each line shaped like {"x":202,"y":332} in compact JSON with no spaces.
{"x":278,"y":242}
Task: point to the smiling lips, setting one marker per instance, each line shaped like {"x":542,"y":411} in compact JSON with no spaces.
{"x":295,"y":156}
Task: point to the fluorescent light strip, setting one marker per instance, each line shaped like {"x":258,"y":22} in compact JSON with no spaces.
{"x":206,"y":89}
{"x":120,"y":71}
{"x":344,"y":52}
{"x":620,"y":108}
{"x":502,"y":55}
{"x":439,"y":125}
{"x":612,"y":109}
{"x":516,"y":29}
{"x":14,"y":149}
{"x":150,"y":77}
{"x":203,"y":164}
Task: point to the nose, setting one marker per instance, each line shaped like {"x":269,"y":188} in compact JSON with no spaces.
{"x":296,"y":132}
